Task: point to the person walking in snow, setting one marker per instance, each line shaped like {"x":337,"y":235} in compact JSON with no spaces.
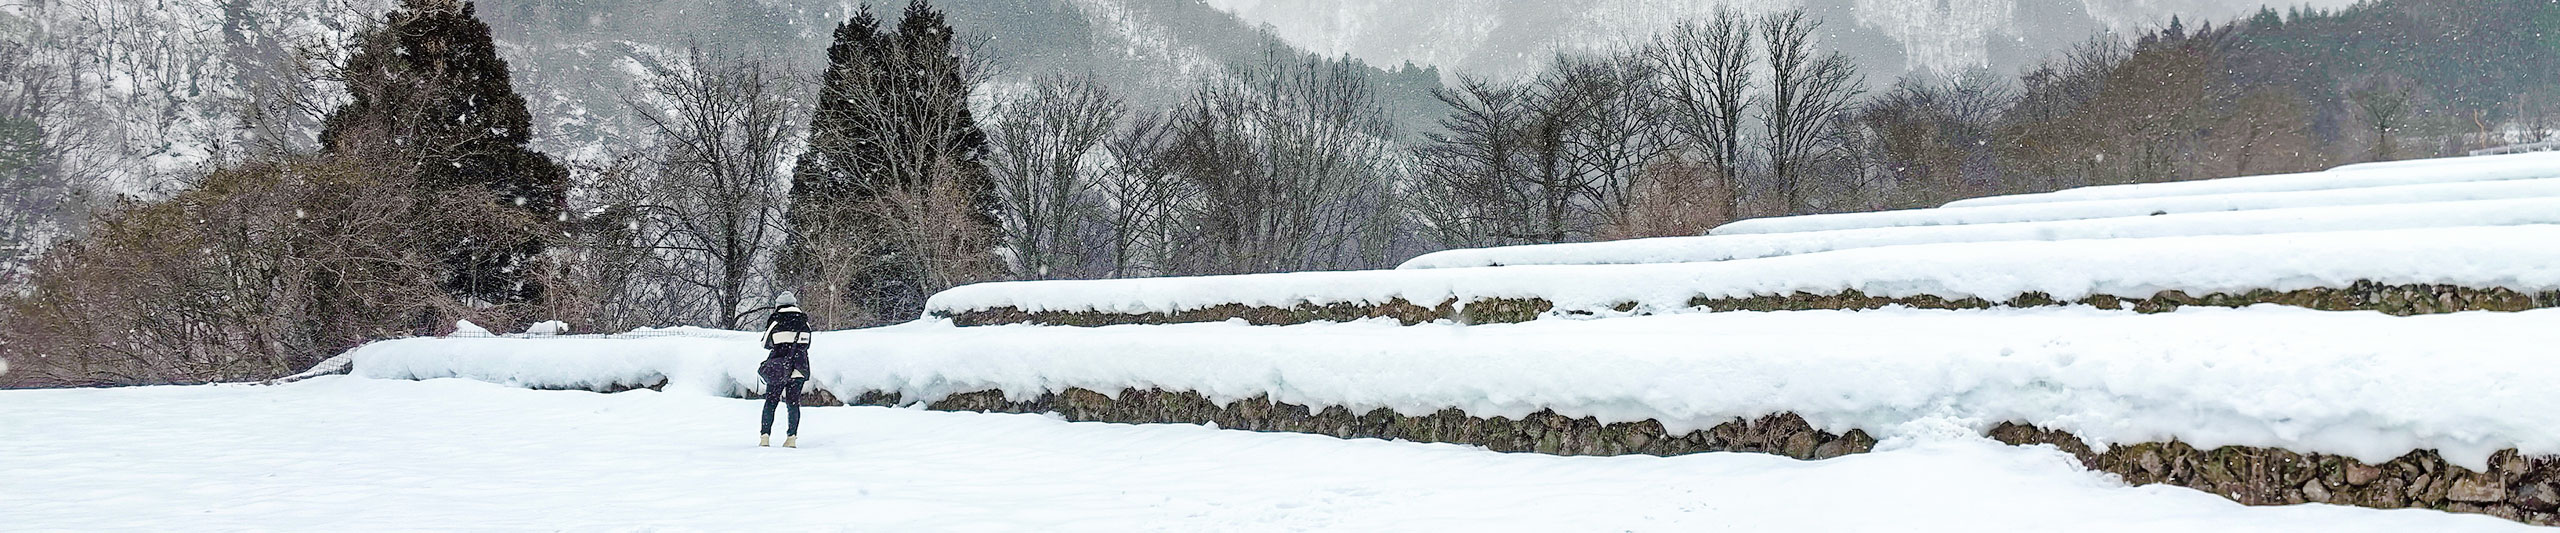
{"x":786,"y":366}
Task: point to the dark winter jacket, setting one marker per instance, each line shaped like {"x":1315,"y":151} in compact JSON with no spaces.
{"x":786,"y":336}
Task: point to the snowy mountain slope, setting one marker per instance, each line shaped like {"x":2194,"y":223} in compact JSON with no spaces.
{"x":167,"y":83}
{"x":1508,"y":37}
{"x":162,"y":87}
{"x":358,"y":454}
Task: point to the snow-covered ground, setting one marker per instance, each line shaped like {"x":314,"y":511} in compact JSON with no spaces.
{"x":352,"y":454}
{"x":2520,"y":211}
{"x":2361,"y":175}
{"x":2361,"y":384}
{"x":2134,"y":207}
{"x":2515,"y":257}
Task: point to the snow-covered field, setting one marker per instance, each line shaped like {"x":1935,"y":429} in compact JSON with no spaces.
{"x":351,"y":454}
{"x":2135,"y":207}
{"x":2509,"y":212}
{"x":2515,"y":257}
{"x":2361,"y":384}
{"x":2361,"y":175}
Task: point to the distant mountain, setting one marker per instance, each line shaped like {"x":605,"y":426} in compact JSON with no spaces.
{"x":1508,"y":37}
{"x":168,"y":87}
{"x":574,"y":58}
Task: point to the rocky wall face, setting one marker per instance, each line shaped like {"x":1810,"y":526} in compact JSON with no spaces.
{"x":2403,"y":300}
{"x":1490,"y":311}
{"x":2516,"y":487}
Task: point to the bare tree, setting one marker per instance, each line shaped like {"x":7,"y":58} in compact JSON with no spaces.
{"x":1930,"y":138}
{"x":1282,"y":167}
{"x":261,"y":271}
{"x":43,"y":189}
{"x":2532,"y":116}
{"x":1622,"y":135}
{"x":714,"y":205}
{"x":1044,"y":161}
{"x":1707,"y":84}
{"x":2385,"y":102}
{"x":1466,"y":194}
{"x":1808,"y":96}
{"x":1139,"y":190}
{"x":1549,"y":160}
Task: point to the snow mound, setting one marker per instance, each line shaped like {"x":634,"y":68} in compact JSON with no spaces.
{"x":464,"y":328}
{"x":2411,"y":172}
{"x":2134,"y":207}
{"x":2360,"y":384}
{"x":2523,"y":211}
{"x":2513,"y":257}
{"x":553,"y":327}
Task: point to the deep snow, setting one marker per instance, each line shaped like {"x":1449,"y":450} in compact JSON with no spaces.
{"x":2361,"y":384}
{"x":2515,"y":257}
{"x":348,"y":454}
{"x":2361,"y":175}
{"x":2509,"y":212}
{"x":2134,"y":207}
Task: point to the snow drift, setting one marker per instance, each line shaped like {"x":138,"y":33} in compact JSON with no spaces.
{"x":2524,"y":211}
{"x":2516,"y":257}
{"x":2359,"y":384}
{"x":2362,"y":175}
{"x":2090,"y":209}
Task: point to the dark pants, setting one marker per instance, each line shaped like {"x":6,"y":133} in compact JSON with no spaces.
{"x":785,"y":391}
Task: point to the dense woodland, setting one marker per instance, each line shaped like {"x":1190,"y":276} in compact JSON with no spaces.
{"x":895,"y":171}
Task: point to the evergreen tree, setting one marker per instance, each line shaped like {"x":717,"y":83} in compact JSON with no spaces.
{"x":892,"y":130}
{"x":433,"y":102}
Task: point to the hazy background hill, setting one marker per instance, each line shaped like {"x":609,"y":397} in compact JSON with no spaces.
{"x":1887,"y":36}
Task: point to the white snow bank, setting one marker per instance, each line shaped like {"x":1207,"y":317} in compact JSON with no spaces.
{"x":2360,"y":384}
{"x":1750,"y":246}
{"x":552,"y":327}
{"x":2079,"y":210}
{"x":2412,"y":172}
{"x":2515,"y":257}
{"x":464,"y":328}
{"x":471,"y":456}
{"x":2439,"y":161}
{"x":711,"y":362}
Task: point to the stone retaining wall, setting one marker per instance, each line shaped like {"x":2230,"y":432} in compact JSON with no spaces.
{"x":2516,"y":487}
{"x":2401,"y":300}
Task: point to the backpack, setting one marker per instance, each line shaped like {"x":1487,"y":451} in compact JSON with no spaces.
{"x":787,"y":326}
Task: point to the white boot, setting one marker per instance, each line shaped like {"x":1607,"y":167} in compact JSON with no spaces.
{"x":792,"y":441}
{"x":765,"y":440}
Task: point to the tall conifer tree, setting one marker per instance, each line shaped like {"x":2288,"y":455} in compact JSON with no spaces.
{"x":893,"y":126}
{"x":433,"y":100}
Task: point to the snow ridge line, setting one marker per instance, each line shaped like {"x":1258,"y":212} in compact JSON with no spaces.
{"x":2541,"y":186}
{"x":2356,"y":176}
{"x":2513,"y":258}
{"x":2502,"y":212}
{"x":2397,"y":300}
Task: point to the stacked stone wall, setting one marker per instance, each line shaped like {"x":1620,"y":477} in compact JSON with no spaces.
{"x":2402,"y":300}
{"x":2515,"y":487}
